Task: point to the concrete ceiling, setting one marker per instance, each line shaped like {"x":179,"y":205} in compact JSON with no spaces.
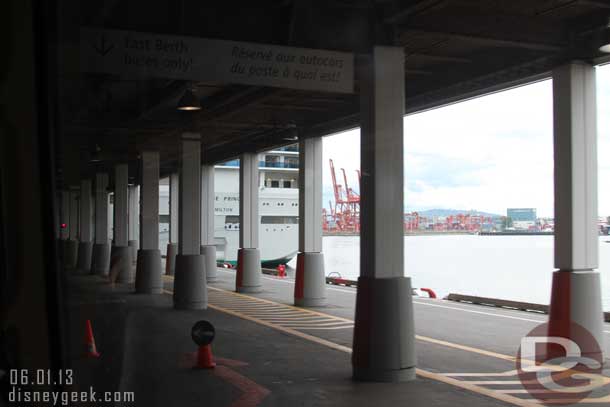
{"x":454,"y":49}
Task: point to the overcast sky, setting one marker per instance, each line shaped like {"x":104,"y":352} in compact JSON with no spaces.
{"x":487,"y":154}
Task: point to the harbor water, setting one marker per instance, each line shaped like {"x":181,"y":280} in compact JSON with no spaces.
{"x":515,"y":268}
{"x":507,"y":267}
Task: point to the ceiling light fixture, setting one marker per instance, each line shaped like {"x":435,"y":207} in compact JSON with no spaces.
{"x":95,"y":155}
{"x":189,"y":101}
{"x":291,"y":133}
{"x":604,"y":45}
{"x":601,"y":38}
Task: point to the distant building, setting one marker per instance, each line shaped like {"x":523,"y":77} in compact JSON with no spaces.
{"x":522,"y":218}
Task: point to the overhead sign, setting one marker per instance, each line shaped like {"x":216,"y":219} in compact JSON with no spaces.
{"x":153,"y":55}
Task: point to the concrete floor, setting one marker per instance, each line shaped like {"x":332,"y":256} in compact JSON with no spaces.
{"x":271,"y":354}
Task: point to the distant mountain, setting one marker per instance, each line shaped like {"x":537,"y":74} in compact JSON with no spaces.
{"x":448,"y":212}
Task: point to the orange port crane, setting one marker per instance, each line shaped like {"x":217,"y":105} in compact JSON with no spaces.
{"x":346,"y":211}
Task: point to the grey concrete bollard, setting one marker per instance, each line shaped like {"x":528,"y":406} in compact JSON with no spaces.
{"x":121,"y":258}
{"x":384,"y":333}
{"x":134,"y":245}
{"x":85,"y":253}
{"x":170,"y":259}
{"x":148,"y":272}
{"x":70,"y":254}
{"x":310,"y":281}
{"x":248,"y":278}
{"x":190,"y":287}
{"x":209,"y":251}
{"x":100,"y":259}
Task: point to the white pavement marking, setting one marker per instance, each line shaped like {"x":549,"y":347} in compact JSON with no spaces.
{"x":480,"y":312}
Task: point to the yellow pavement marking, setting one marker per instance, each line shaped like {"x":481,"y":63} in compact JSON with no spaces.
{"x":300,"y":318}
{"x":524,"y":391}
{"x":466,"y":348}
{"x":302,"y":310}
{"x":508,"y":373}
{"x":247,"y":303}
{"x":494,"y":382}
{"x":478,"y":389}
{"x":420,"y":372}
{"x":335,"y":323}
{"x":255,"y":310}
{"x":320,"y":328}
{"x":306,"y":321}
{"x":418,"y":337}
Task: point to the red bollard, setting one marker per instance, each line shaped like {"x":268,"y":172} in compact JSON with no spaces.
{"x":431,"y":293}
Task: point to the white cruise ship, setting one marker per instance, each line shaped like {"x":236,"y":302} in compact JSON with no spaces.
{"x":278,"y":208}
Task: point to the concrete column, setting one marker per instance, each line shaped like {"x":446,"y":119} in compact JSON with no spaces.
{"x":310,"y":286}
{"x":248,"y":277}
{"x":64,"y":231}
{"x":148,"y":268}
{"x":190,"y":290}
{"x":384,"y":335}
{"x":73,"y":224}
{"x":121,"y":253}
{"x":576,"y":291}
{"x":172,"y":245}
{"x":70,"y":254}
{"x":64,"y":220}
{"x":121,"y":225}
{"x":133,"y":215}
{"x":208,"y":198}
{"x":100,"y":263}
{"x":85,"y":245}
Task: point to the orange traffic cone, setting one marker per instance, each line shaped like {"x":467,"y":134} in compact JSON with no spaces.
{"x":91,"y":349}
{"x":204,"y":357}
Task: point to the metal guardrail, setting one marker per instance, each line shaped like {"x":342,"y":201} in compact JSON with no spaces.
{"x":271,"y":272}
{"x":341,"y":281}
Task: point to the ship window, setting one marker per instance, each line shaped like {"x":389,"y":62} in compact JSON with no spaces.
{"x":275,"y":184}
{"x":232,"y":222}
{"x":272,"y":161}
{"x":291,"y":162}
{"x":279,"y":220}
{"x":286,"y":184}
{"x":231,"y":219}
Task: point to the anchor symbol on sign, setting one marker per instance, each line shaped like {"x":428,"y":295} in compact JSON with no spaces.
{"x":103,"y":47}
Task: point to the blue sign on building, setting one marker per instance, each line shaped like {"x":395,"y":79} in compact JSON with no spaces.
{"x":521,"y":214}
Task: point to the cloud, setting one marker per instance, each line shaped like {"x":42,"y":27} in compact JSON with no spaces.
{"x":488,"y":153}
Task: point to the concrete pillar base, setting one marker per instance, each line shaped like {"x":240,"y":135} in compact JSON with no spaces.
{"x":70,"y":254}
{"x":170,"y":259}
{"x":100,"y":259}
{"x":148,"y":272}
{"x":209,"y":251}
{"x":190,"y":291}
{"x":85,"y":252}
{"x":386,"y":376}
{"x":576,"y":299}
{"x":310,"y":284}
{"x":248,"y":279}
{"x":384,"y":332}
{"x":133,"y":244}
{"x":121,"y":264}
